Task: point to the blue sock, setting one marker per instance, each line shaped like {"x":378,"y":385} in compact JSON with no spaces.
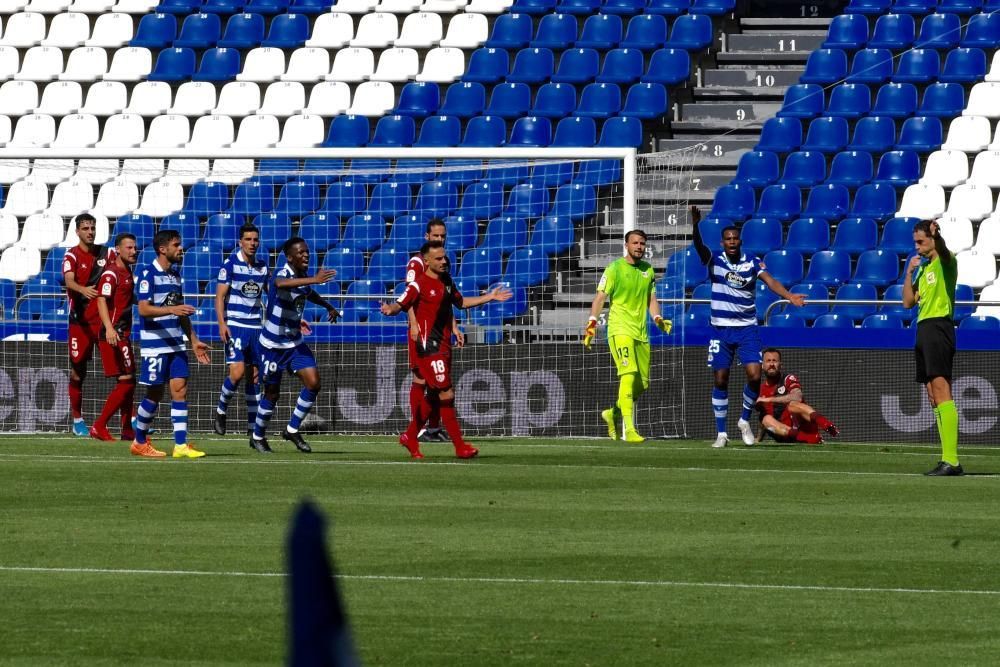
{"x":264,"y":411}
{"x":720,"y":405}
{"x":749,"y":398}
{"x":228,"y":388}
{"x":179,"y":416}
{"x":302,"y":408}
{"x":144,"y":419}
{"x":253,"y":398}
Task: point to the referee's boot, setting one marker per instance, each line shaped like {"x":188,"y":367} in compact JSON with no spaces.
{"x":297,"y":440}
{"x":219,"y":423}
{"x":260,"y":446}
{"x":943,"y":469}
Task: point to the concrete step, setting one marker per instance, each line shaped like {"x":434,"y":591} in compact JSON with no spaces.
{"x":775,"y":41}
{"x":788,"y":23}
{"x":716,"y":153}
{"x":708,"y":93}
{"x":762,"y":58}
{"x":756,"y":78}
{"x":731,"y":112}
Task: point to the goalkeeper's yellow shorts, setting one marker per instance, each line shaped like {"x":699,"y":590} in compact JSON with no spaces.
{"x":631,"y":356}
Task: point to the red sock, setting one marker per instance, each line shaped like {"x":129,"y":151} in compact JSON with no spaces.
{"x":808,"y":438}
{"x":434,"y":419}
{"x":451,"y":422}
{"x":125,"y":404}
{"x":418,"y":419}
{"x":821,"y":421}
{"x":76,"y":398}
{"x":113,"y":403}
{"x":416,"y":398}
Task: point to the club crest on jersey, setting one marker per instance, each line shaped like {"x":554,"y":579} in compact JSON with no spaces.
{"x":931,"y":277}
{"x":736,"y":280}
{"x":300,"y":305}
{"x":250,"y":289}
{"x":173,"y":299}
{"x":439,"y":377}
{"x":781,"y":389}
{"x":101,"y":262}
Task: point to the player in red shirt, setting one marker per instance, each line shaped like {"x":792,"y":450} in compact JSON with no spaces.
{"x":114,"y":306}
{"x":82,"y":266}
{"x":431,"y":296}
{"x":783,"y":412}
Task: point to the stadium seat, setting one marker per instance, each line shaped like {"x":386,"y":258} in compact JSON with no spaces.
{"x":274,"y":228}
{"x":553,"y":234}
{"x":155,"y":31}
{"x":173,"y":64}
{"x":895,"y":100}
{"x":851,"y":169}
{"x":855,"y":236}
{"x":601,"y":31}
{"x":575,"y":202}
{"x":111,"y":31}
{"x":363,"y":232}
{"x":815,"y":295}
{"x":920,"y":134}
{"x":763,"y":299}
{"x":942,"y":100}
{"x":917,"y":66}
{"x":623,"y":66}
{"x":554,"y":101}
{"x":406,"y":234}
{"x":244,"y":31}
{"x":218,"y":65}
{"x":645,"y":32}
{"x":464,"y":100}
{"x":877,"y":267}
{"x":892,"y":306}
{"x":585,"y":7}
{"x":308,"y":65}
{"x":481,"y":267}
{"x":829,"y":267}
{"x":532,"y":66}
{"x":41,"y":63}
{"x":199,"y":31}
{"x":505,"y":234}
{"x":577,"y":66}
{"x":980,"y":323}
{"x":761,"y":235}
{"x":895,"y":32}
{"x":509,"y":100}
{"x":421,"y":30}
{"x":922,"y":201}
{"x":826,"y":135}
{"x":988,"y":236}
{"x":957,"y":232}
{"x":825,"y":66}
{"x":375,"y":31}
{"x":394,"y":132}
{"x":964,"y":65}
{"x":833,"y":321}
{"x":485,"y":131}
{"x":848,"y":31}
{"x":691,"y":32}
{"x":870,"y":66}
{"x":207,"y":198}
{"x":685,"y":266}
{"x":780,"y":201}
{"x":757,"y":169}
{"x":347,"y":262}
{"x":897,"y":235}
{"x":971,"y":201}
{"x":965,"y":293}
{"x":347,"y":131}
{"x":442,"y":65}
{"x":849,"y":100}
{"x":481,"y":200}
{"x":939,"y":31}
{"x":487,"y":65}
{"x":387,"y":265}
{"x":668,"y":67}
{"x":807,"y":235}
{"x":436,"y":199}
{"x":804,"y":168}
{"x":785,"y":265}
{"x":396,"y":65}
{"x":804,"y":100}
{"x":882,"y":321}
{"x":526,"y":267}
{"x":780,"y":135}
{"x":623,"y":7}
{"x":969,"y":134}
{"x":555,"y":31}
{"x":960,"y":7}
{"x":599,"y":100}
{"x":874,"y":134}
{"x":898,"y":168}
{"x":351,"y":65}
{"x":668,"y":7}
{"x":511,"y":31}
{"x":444,"y":131}
{"x":982,"y":31}
{"x":976,"y":269}
{"x":621,"y":132}
{"x":85,"y":63}
{"x":828,"y":201}
{"x":735,"y":202}
{"x":916,"y":7}
{"x":787,"y":320}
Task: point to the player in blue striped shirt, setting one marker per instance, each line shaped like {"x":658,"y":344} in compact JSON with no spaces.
{"x":165,"y":322}
{"x":734,"y":278}
{"x":281,"y":345}
{"x":239,"y":292}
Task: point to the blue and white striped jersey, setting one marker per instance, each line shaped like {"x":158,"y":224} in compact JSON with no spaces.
{"x":160,"y":287}
{"x":284,"y":312}
{"x":247,"y":283}
{"x":733,"y":286}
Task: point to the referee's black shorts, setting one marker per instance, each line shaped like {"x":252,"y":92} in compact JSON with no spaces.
{"x":935,"y":349}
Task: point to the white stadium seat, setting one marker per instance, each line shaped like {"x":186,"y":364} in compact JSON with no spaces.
{"x":135,"y":6}
{"x":263,"y":64}
{"x":19,"y":262}
{"x":10,"y":62}
{"x":956,"y":231}
{"x":283,"y":98}
{"x":331,"y":31}
{"x":307,"y":64}
{"x":111,"y":31}
{"x":47,"y":6}
{"x":257,"y":132}
{"x":211,"y":132}
{"x":96,"y":7}
{"x":23,"y":30}
{"x":975,"y":269}
{"x":116,"y":198}
{"x":132,"y":63}
{"x":989,"y":293}
{"x":68,"y":30}
{"x":488,"y":6}
{"x":34,"y":130}
{"x":352,"y":65}
{"x":12,"y":170}
{"x":43,"y":231}
{"x":970,"y":134}
{"x":97,"y":171}
{"x":41,"y":63}
{"x":26,"y":198}
{"x":946,"y":168}
{"x":168,"y":131}
{"x":988,"y":235}
{"x":402,"y":7}
{"x":78,"y":130}
{"x":161,"y":198}
{"x":70,"y":197}
{"x":12,"y":6}
{"x":104,"y":98}
{"x":231,"y":171}
{"x":8,"y":230}
{"x":188,"y":171}
{"x":443,"y":65}
{"x":986,"y":169}
{"x":376,"y":31}
{"x":18,"y":98}
{"x":238,"y":98}
{"x":102,"y":235}
{"x":444,"y":6}
{"x":971,"y":201}
{"x":302,"y":131}
{"x":51,"y":171}
{"x":420,"y":31}
{"x":123,"y":130}
{"x":142,"y":171}
{"x":373,"y":98}
{"x":355,"y":6}
{"x":86,"y":63}
{"x":984,"y":100}
{"x":61,"y":98}
{"x":194,"y":98}
{"x":329,"y":98}
{"x":922,"y":201}
{"x":6,"y":129}
{"x":994,"y":73}
{"x":150,"y":98}
{"x":396,"y":65}
{"x":467,"y":31}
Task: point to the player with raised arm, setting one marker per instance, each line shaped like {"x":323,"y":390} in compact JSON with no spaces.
{"x":783,"y":410}
{"x":239,"y":292}
{"x":630,"y":282}
{"x":163,"y":359}
{"x":281,"y":345}
{"x":734,"y":276}
{"x":82,"y":267}
{"x":433,"y":296}
{"x":931,"y":276}
{"x":115,"y":297}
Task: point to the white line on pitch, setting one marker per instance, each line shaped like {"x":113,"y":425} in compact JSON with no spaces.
{"x":640,"y":583}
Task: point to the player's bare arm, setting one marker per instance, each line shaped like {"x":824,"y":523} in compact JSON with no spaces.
{"x":704,"y":252}
{"x":793,"y":395}
{"x":661,"y":323}
{"x":798,"y":300}
{"x":331,"y":313}
{"x":495,"y":294}
{"x":221,"y":292}
{"x":200,"y":347}
{"x":910,"y":296}
{"x":322,"y":277}
{"x":110,"y":334}
{"x":146,"y":309}
{"x":71,"y":284}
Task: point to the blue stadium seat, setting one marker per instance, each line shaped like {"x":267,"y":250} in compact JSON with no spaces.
{"x":874,"y":134}
{"x":487,"y":65}
{"x":833,"y":321}
{"x":436,"y":199}
{"x":371,"y":170}
{"x":311,"y":7}
{"x":871,"y":66}
{"x":599,"y":100}
{"x":960,"y":7}
{"x":323,"y":171}
{"x":173,"y":65}
{"x":869,"y":7}
{"x":855,"y":236}
{"x":621,"y":132}
{"x":982,"y":31}
{"x":243,"y":31}
{"x":277,"y":170}
{"x":575,"y":131}
{"x":735,"y":201}
{"x":599,"y":172}
{"x":825,"y":66}
{"x":481,"y":267}
{"x":363,"y":232}
{"x":441,"y":131}
{"x":142,"y":226}
{"x":848,"y":31}
{"x":346,"y":261}
{"x":553,"y":234}
{"x":511,"y":31}
{"x":877,"y":267}
{"x":8,"y":295}
{"x":851,"y":168}
{"x":645,"y":32}
{"x":920,"y":134}
{"x":895,"y":293}
{"x":41,"y":309}
{"x":418,"y":99}
{"x":481,"y":200}
{"x":882,"y":321}
{"x":363,"y":310}
{"x":786,"y":320}
{"x":406,"y":234}
{"x":895,"y":100}
{"x":554,"y":100}
{"x":761,"y":235}
{"x":668,"y":67}
{"x":53,"y":263}
{"x":505,"y":234}
{"x":298,"y":198}
{"x":916,"y":7}
{"x":918,"y":66}
{"x":897,"y":235}
{"x":601,"y":31}
{"x":221,"y":64}
{"x":802,"y":100}
{"x":685,"y":266}
{"x":849,"y":100}
{"x":287,"y":31}
{"x":528,"y":201}
{"x":199,"y":31}
{"x":206,"y":198}
{"x":223,"y":7}
{"x":856,"y":291}
{"x":181,"y":7}
{"x":829,"y":267}
{"x":275,"y":229}
{"x":702,"y":291}
{"x":253,"y":197}
{"x":507,"y":172}
{"x":898,"y":168}
{"x":575,"y":202}
{"x":344,"y":199}
{"x":691,"y":32}
{"x":526,"y":267}
{"x":464,"y":99}
{"x":780,"y":135}
{"x":943,"y":100}
{"x":804,"y":168}
{"x":827,"y":135}
{"x":533,"y":7}
{"x":815,"y":295}
{"x":646,"y":101}
{"x":894,"y":32}
{"x":763,"y":298}
{"x":320,"y":231}
{"x":390,"y":200}
{"x":622,"y":66}
{"x":155,"y":31}
{"x":712,"y":7}
{"x":668,"y":7}
{"x":577,"y":66}
{"x":186,"y":224}
{"x":623,"y":7}
{"x":394,"y":132}
{"x":939,"y":31}
{"x":555,"y":31}
{"x":757,"y":169}
{"x":962,"y":293}
{"x":387,"y":265}
{"x":578,"y":7}
{"x":695,"y":318}
{"x":785,"y":265}
{"x":532,"y":66}
{"x":509,"y":100}
{"x":980,"y":323}
{"x":780,"y":201}
{"x":711,"y":231}
{"x":964,"y":65}
{"x":531,"y":131}
{"x":220,"y":230}
{"x":807,"y":235}
{"x":347,"y":131}
{"x":829,"y":201}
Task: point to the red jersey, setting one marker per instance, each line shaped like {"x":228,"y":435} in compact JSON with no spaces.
{"x":784,"y":386}
{"x":415,"y":267}
{"x":86,"y":268}
{"x":116,"y":285}
{"x":432,"y":300}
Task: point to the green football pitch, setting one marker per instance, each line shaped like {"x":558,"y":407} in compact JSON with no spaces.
{"x":542,"y":552}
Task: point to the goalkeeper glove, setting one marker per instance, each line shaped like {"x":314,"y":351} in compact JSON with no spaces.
{"x":663,"y":325}
{"x":590,"y":332}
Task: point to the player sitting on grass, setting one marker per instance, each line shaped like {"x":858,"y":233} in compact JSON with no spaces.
{"x":783,"y":412}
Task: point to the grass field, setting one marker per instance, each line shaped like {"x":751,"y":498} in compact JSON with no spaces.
{"x":543,"y":552}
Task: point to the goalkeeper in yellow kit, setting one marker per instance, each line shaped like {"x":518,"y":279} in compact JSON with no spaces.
{"x":629,"y":282}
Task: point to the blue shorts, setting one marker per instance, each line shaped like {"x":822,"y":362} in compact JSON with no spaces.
{"x":273,"y":363}
{"x":727,"y":342}
{"x":158,"y":369}
{"x":242,"y":345}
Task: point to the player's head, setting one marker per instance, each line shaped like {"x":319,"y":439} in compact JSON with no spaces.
{"x":635,"y":244}
{"x":923,"y":238}
{"x":435,"y":258}
{"x":126,"y":248}
{"x":167,"y":242}
{"x":731,"y":241}
{"x":435,"y":231}
{"x":297,"y":253}
{"x":249,"y":239}
{"x":86,"y":227}
{"x":772,"y":362}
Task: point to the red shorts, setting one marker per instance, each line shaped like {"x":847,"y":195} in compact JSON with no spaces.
{"x":435,"y":370}
{"x":808,"y":428}
{"x":117,"y":358}
{"x":82,"y":339}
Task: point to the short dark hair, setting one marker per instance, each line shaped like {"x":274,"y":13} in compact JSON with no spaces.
{"x":923,"y":226}
{"x":638,"y":232}
{"x":435,"y":223}
{"x":247,"y":227}
{"x":82,"y":218}
{"x":287,"y":247}
{"x":430,"y":245}
{"x":772,"y":350}
{"x":163,"y":237}
{"x":729,"y":228}
{"x":124,"y":236}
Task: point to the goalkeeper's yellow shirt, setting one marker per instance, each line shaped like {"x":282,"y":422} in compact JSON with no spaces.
{"x":629,"y":286}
